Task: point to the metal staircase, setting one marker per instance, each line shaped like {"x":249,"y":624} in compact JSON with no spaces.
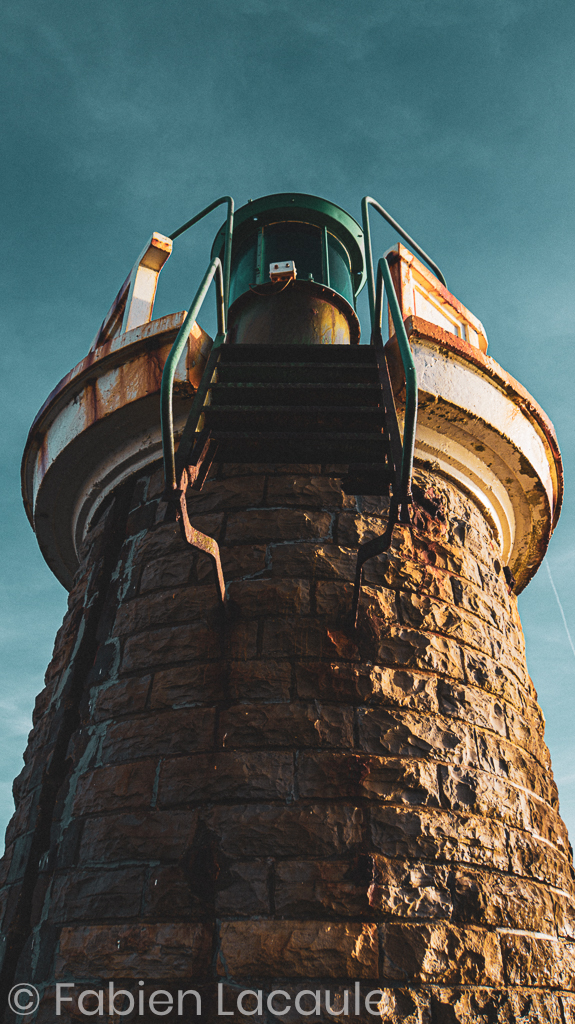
{"x":328,"y":404}
{"x":303,"y":404}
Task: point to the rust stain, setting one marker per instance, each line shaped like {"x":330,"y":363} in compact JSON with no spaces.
{"x":72,"y":381}
{"x":42,"y":454}
{"x":422,"y":329}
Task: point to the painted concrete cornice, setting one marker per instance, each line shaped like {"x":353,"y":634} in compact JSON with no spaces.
{"x":100,"y":424}
{"x":478,"y":426}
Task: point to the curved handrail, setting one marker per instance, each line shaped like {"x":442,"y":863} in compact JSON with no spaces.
{"x":228,"y":241}
{"x":167,"y":386}
{"x":366,"y":202}
{"x":410,"y":421}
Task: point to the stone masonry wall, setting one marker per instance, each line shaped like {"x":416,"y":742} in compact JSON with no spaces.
{"x":274,"y":800}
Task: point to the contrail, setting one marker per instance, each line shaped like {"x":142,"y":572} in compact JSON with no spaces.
{"x":560,"y":607}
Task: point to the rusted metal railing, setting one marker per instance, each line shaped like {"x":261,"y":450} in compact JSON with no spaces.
{"x":228,"y":238}
{"x":178,"y":474}
{"x":401,"y":489}
{"x":410,"y":419}
{"x":167,"y":387}
{"x":366,"y":202}
{"x":222,"y":275}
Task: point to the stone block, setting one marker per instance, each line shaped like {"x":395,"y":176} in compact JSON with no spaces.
{"x":310,"y":830}
{"x":547,"y":823}
{"x":500,"y":901}
{"x":158,"y":647}
{"x":185,"y":685}
{"x":440,"y":952}
{"x":406,"y":733}
{"x":286,"y":725}
{"x":138,"y":835}
{"x":270,"y":597}
{"x":312,"y":888}
{"x":226,"y":776}
{"x":505,"y":1006}
{"x":533,"y":857}
{"x":141,"y":518}
{"x":298,"y":949}
{"x":526,"y":730}
{"x":167,"y":607}
{"x":376,"y":604}
{"x":65,"y":642}
{"x":360,"y":683}
{"x":487,"y":674}
{"x":160,"y":734}
{"x":97,"y":894}
{"x":353,"y":530}
{"x":226,"y":469}
{"x":243,"y":889}
{"x":539,"y":961}
{"x":400,"y":573}
{"x":308,"y":492}
{"x":420,"y":611}
{"x":165,"y":540}
{"x":472,"y":705}
{"x":120,"y":697}
{"x":568,"y":1007}
{"x":122,"y":786}
{"x":471,"y":791}
{"x":412,"y":649}
{"x":298,"y":469}
{"x":40,"y":738}
{"x":42,"y":703}
{"x":438,"y":835}
{"x":260,"y":680}
{"x":293,"y":637}
{"x":354,"y":776}
{"x":277,"y":524}
{"x":237,"y":562}
{"x":232,"y":492}
{"x":471,"y":598}
{"x":497,"y":755}
{"x":170,"y":892}
{"x":413,"y":889}
{"x":171,"y":571}
{"x":437,"y":551}
{"x":164,"y":950}
{"x":326,"y":1001}
{"x":563,"y":914}
{"x":156,"y":484}
{"x":25,"y":781}
{"x":24,"y":818}
{"x":333,"y":598}
{"x":212,"y":525}
{"x":313,"y":561}
{"x":5,"y":862}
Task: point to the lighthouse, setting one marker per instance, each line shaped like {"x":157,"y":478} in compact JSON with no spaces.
{"x":288,"y":761}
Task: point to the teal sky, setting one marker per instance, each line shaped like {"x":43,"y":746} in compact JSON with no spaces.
{"x":124,"y":117}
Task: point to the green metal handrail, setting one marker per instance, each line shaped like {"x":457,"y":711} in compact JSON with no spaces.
{"x":410,"y":420}
{"x":222,"y":298}
{"x":375,"y":309}
{"x":366,"y":202}
{"x":167,"y":386}
{"x":228,"y":238}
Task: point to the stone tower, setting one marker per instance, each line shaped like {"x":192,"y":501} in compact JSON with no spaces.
{"x":269,"y":798}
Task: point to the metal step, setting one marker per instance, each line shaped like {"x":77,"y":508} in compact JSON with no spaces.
{"x":283,"y":446}
{"x":296,"y":394}
{"x":353,"y":420}
{"x":296,"y":403}
{"x":295,"y":373}
{"x":313,"y":354}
